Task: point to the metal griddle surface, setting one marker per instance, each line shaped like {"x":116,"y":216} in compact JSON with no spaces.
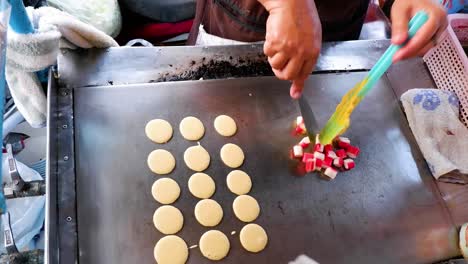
{"x":381,"y":212}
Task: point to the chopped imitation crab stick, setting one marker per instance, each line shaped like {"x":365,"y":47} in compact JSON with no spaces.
{"x":331,"y":173}
{"x":343,"y":145}
{"x":344,"y":139}
{"x":298,"y":151}
{"x":352,"y":151}
{"x":307,"y":156}
{"x":318,"y":164}
{"x":318,"y":147}
{"x":319,"y":155}
{"x":310,"y":165}
{"x":300,"y":126}
{"x":338,"y":162}
{"x":327,"y":162}
{"x":341,"y":153}
{"x":349,"y":164}
{"x":305,"y":142}
{"x":328,"y":159}
{"x":331,"y":154}
{"x":300,"y":129}
{"x":299,"y":121}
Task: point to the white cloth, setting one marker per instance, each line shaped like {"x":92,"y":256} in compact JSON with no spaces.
{"x":206,"y":39}
{"x":27,"y":174}
{"x":27,"y":216}
{"x":28,"y":53}
{"x":433,"y":116}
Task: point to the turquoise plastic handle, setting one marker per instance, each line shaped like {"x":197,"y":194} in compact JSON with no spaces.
{"x":385,"y":61}
{"x":19,"y":20}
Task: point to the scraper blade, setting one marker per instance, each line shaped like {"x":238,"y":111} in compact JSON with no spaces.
{"x":309,"y":118}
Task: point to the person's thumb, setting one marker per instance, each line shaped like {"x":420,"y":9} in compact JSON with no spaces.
{"x":400,"y":18}
{"x":296,"y":88}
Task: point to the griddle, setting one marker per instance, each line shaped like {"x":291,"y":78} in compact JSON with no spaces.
{"x":100,"y":208}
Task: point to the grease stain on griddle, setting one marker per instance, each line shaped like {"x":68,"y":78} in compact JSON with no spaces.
{"x":280,"y":206}
{"x":221,"y":69}
{"x":332,"y":225}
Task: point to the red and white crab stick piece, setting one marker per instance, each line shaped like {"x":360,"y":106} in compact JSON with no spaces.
{"x":299,"y":120}
{"x":318,"y":148}
{"x":318,"y":164}
{"x":327,"y":162}
{"x":345,"y":140}
{"x":307,"y":156}
{"x":300,"y":129}
{"x":327,"y":148}
{"x":300,"y":126}
{"x":349,"y":164}
{"x":338,"y":162}
{"x":341,"y":153}
{"x":331,"y":154}
{"x":305,"y":142}
{"x":331,"y":173}
{"x":298,"y":151}
{"x":319,"y":155}
{"x":352,"y":151}
{"x":310,"y":165}
{"x":343,"y":145}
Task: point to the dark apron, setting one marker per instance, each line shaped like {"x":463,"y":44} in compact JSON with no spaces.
{"x":244,"y":20}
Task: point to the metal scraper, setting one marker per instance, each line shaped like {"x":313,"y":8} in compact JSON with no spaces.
{"x":309,"y":118}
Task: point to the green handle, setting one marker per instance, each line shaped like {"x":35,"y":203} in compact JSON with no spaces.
{"x":385,"y":61}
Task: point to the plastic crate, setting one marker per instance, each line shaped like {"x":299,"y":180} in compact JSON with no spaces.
{"x":448,"y":62}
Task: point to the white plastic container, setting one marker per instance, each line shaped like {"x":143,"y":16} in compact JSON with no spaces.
{"x":448,"y":62}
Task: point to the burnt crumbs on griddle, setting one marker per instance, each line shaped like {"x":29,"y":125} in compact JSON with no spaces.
{"x":222,"y":69}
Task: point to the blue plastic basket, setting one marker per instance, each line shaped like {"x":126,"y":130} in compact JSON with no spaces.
{"x":454,"y":6}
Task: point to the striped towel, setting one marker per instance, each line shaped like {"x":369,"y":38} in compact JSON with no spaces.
{"x":28,"y":53}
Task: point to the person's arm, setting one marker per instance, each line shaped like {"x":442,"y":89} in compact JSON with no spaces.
{"x":401,"y":13}
{"x":293,"y":40}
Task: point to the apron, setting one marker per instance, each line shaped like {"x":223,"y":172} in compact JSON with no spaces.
{"x":245,"y":20}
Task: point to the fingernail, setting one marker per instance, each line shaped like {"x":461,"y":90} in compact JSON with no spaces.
{"x":296,"y":95}
{"x":398,"y":38}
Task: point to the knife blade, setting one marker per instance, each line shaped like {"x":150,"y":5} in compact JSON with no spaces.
{"x":309,"y":118}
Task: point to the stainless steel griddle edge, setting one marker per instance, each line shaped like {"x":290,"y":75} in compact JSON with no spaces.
{"x":95,"y":67}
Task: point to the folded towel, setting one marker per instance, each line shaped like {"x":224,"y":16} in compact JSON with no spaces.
{"x":28,"y":53}
{"x":433,"y":116}
{"x":206,"y":39}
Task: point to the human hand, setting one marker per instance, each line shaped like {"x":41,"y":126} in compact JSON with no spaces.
{"x":293,"y":40}
{"x":402,"y":12}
